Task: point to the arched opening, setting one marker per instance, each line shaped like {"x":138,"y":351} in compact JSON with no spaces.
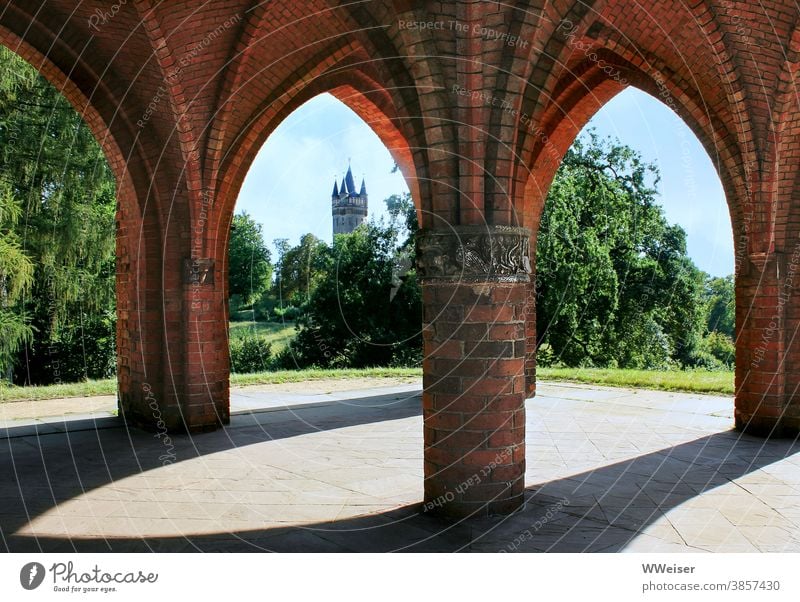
{"x":60,"y":174}
{"x":304,"y":156}
{"x":331,"y":307}
{"x":581,"y":94}
{"x":635,"y":257}
{"x":139,"y":192}
{"x":322,"y":145}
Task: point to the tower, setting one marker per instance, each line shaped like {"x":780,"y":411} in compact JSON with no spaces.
{"x":349,"y":208}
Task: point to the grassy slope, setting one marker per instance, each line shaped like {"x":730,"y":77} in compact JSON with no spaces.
{"x":277,"y":333}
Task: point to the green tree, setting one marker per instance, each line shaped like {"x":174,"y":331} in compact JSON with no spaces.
{"x":300,"y":270}
{"x":249,"y":260}
{"x":56,"y":175}
{"x":366,"y":309}
{"x":282,"y":247}
{"x":403,"y":218}
{"x":16,"y":278}
{"x":720,"y":297}
{"x":721,"y":348}
{"x":614,"y":284}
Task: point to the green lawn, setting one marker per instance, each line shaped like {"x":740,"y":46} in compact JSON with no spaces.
{"x":294,"y":376}
{"x":89,"y":388}
{"x":694,"y":381}
{"x":277,"y":333}
{"x":699,"y":381}
{"x":109,"y":386}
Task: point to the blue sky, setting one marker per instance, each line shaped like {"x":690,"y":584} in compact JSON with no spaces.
{"x":289,"y":185}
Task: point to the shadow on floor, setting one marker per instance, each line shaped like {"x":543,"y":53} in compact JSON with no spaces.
{"x":598,"y":510}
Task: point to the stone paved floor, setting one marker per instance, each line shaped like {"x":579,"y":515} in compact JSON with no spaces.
{"x":608,"y":470}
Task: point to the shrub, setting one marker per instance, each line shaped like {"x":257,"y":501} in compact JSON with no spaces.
{"x":545,"y":356}
{"x":721,"y":347}
{"x":288,"y":313}
{"x":406,"y":357}
{"x":235,"y":303}
{"x":264,"y":308}
{"x":82,"y":349}
{"x":285,"y":359}
{"x":250,"y":353}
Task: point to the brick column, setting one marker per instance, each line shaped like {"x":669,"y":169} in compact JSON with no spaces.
{"x":207,"y":364}
{"x":150,"y":312}
{"x":767,"y":350}
{"x":173,"y":361}
{"x":474,"y":281}
{"x":530,"y":332}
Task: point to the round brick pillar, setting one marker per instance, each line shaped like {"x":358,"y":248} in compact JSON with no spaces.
{"x":475,"y":284}
{"x":767,"y":318}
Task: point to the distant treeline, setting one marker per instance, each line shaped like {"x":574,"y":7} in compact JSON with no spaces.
{"x":614,"y":285}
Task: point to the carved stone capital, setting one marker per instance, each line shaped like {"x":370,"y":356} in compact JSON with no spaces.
{"x":474,"y":254}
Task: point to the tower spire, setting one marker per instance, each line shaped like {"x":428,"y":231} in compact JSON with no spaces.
{"x":348,"y":206}
{"x":351,"y":186}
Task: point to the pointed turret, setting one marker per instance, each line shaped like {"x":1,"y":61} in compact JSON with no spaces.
{"x":348,"y":206}
{"x":351,"y":186}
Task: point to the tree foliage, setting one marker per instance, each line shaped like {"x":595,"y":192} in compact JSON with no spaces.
{"x":614,"y":284}
{"x":719,"y":296}
{"x":249,"y":260}
{"x":366,"y":308}
{"x":16,"y":278}
{"x":57,"y":179}
{"x":300,"y":269}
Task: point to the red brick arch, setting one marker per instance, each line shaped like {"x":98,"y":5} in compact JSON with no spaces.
{"x":372,"y":102}
{"x":117,"y":159}
{"x":582,"y":91}
{"x":364,"y":104}
{"x":133,"y":184}
{"x":145,"y":191}
{"x":361,"y":94}
{"x":431,"y":95}
{"x":786,"y":135}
